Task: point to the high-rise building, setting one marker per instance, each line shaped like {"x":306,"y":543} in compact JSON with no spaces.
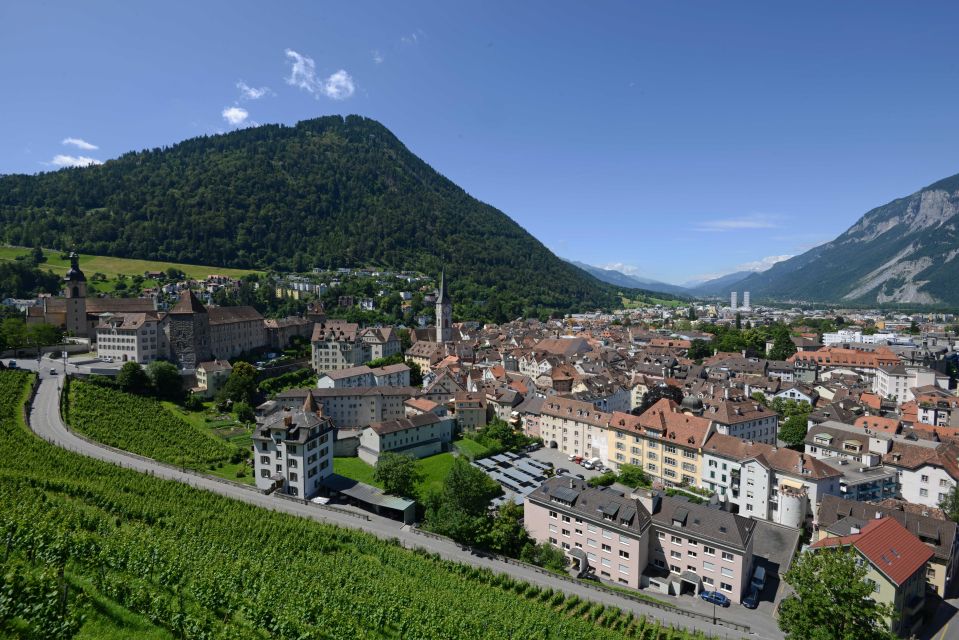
{"x":746,"y":300}
{"x":732,"y":300}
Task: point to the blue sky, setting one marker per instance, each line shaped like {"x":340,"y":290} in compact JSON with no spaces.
{"x":676,"y":139}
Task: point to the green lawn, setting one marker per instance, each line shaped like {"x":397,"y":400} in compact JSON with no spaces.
{"x":112,"y":267}
{"x":471,"y":448}
{"x":433,"y":470}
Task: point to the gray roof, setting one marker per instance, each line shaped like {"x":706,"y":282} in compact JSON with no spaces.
{"x":705,"y":522}
{"x":365,"y":493}
{"x":600,"y":504}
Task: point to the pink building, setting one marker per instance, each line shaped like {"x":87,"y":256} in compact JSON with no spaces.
{"x":643,"y":540}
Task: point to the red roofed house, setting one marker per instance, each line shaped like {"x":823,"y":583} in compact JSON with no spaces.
{"x":896,"y":567}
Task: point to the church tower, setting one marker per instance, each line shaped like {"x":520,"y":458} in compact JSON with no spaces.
{"x":444,"y":313}
{"x":76,"y":298}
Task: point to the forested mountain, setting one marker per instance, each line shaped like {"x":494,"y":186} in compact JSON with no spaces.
{"x":902,"y":252}
{"x":326,"y":192}
{"x":620,"y":279}
{"x":721,"y":285}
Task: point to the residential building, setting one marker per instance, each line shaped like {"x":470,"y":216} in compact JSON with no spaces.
{"x":394,"y":375}
{"x":293,"y":451}
{"x":355,"y":407}
{"x":417,"y":436}
{"x":235,"y":331}
{"x":469,"y":409}
{"x":383,"y":342}
{"x":130,"y":337}
{"x":896,"y":383}
{"x":211,"y":376}
{"x":743,"y":418}
{"x":643,"y":539}
{"x":337,"y":345}
{"x":574,"y":427}
{"x":764,"y":481}
{"x":896,"y":567}
{"x":837,"y":517}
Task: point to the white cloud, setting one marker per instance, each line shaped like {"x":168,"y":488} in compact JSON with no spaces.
{"x":61,"y":160}
{"x":413,"y":38}
{"x":377,"y":56}
{"x":756,"y":221}
{"x":235,"y":115}
{"x":762,"y":264}
{"x":338,"y":86}
{"x":622,"y":267}
{"x":80,"y":143}
{"x":251,"y":93}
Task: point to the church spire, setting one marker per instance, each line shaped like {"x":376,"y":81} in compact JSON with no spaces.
{"x":442,"y":296}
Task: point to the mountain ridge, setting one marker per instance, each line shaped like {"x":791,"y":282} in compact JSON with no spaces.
{"x":328,"y":191}
{"x":618,"y":278}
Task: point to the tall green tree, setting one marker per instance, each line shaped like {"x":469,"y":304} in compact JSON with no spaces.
{"x":166,"y":380}
{"x":133,"y":379}
{"x":241,"y":385}
{"x":950,"y":503}
{"x":43,"y":335}
{"x":793,"y":429}
{"x":832,"y":600}
{"x":783,"y":346}
{"x":656,"y":394}
{"x":398,"y":473}
{"x":460,"y":509}
{"x":506,"y":534}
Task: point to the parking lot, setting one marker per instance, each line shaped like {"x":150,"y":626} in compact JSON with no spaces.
{"x":561,"y":461}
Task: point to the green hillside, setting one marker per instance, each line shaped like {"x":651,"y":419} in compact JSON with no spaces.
{"x":326,"y":192}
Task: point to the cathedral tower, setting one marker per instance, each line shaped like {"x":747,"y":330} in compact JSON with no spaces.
{"x":444,"y":313}
{"x":76,"y":298}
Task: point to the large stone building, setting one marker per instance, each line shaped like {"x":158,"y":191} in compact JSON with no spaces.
{"x":187,"y":327}
{"x":293,"y":451}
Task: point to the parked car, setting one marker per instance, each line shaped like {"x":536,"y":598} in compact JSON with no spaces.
{"x":752,"y":600}
{"x":587,"y":464}
{"x":53,"y":372}
{"x":562,"y":472}
{"x":715,"y":597}
{"x":759,"y":578}
{"x":536,"y":446}
{"x":12,"y":364}
{"x":580,"y":476}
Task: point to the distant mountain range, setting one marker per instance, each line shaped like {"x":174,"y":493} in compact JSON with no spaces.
{"x":902,"y":252}
{"x":620,"y":279}
{"x":719,"y":286}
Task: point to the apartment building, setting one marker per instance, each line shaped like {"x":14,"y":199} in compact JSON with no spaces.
{"x":383,"y":342}
{"x":897,"y":383}
{"x":643,"y":539}
{"x":470,"y":409}
{"x":293,"y":450}
{"x":236,"y":330}
{"x":394,"y":375}
{"x":211,"y":376}
{"x":766,"y":482}
{"x":130,"y":337}
{"x":417,"y":436}
{"x":574,"y":427}
{"x":354,"y":407}
{"x":337,"y":345}
{"x":744,"y":418}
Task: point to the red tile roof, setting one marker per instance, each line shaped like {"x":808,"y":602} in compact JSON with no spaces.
{"x":888,"y":546}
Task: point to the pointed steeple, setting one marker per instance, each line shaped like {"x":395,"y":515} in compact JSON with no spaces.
{"x":309,"y":404}
{"x":188,"y":303}
{"x":442,"y":296}
{"x":74,"y":274}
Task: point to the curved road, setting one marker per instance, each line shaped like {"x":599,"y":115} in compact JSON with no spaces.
{"x":46,"y":422}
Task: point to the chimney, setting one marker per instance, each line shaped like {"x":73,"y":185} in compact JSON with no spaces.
{"x":648,"y":498}
{"x":726,"y":393}
{"x":854,"y":529}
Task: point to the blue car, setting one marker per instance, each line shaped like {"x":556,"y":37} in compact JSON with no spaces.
{"x":752,"y":600}
{"x":715,"y":597}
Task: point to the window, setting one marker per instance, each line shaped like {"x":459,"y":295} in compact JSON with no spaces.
{"x":579,"y":532}
{"x":675,"y":539}
{"x":676,"y":554}
{"x":675,"y":568}
{"x":708,"y":580}
{"x":591,"y":527}
{"x":607,"y":563}
{"x":709,"y":551}
{"x":924,"y":478}
{"x":670,"y":461}
{"x":943,"y":483}
{"x":661,"y":535}
{"x":924,"y":492}
{"x":553,"y":514}
{"x":607,"y":534}
{"x":552,"y":528}
{"x":566,"y":532}
{"x":565,"y":518}
{"x":690,"y":567}
{"x":708,"y":566}
{"x":692,"y":542}
{"x":623,"y":540}
{"x":623,"y":568}
{"x":590,"y":542}
{"x":725,"y":586}
{"x":727,"y":572}
{"x":727,"y":556}
{"x":607,"y":548}
{"x":624,"y":554}
{"x":691,"y":554}
{"x":591,"y":557}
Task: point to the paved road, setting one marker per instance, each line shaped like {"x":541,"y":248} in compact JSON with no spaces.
{"x":46,"y":422}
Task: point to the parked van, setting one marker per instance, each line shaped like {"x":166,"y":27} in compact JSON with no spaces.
{"x":759,"y":578}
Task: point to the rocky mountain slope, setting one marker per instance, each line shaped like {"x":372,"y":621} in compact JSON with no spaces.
{"x":902,"y":252}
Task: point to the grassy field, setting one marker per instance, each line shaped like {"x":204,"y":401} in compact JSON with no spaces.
{"x":471,"y":448}
{"x":433,"y":470}
{"x":112,"y":267}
